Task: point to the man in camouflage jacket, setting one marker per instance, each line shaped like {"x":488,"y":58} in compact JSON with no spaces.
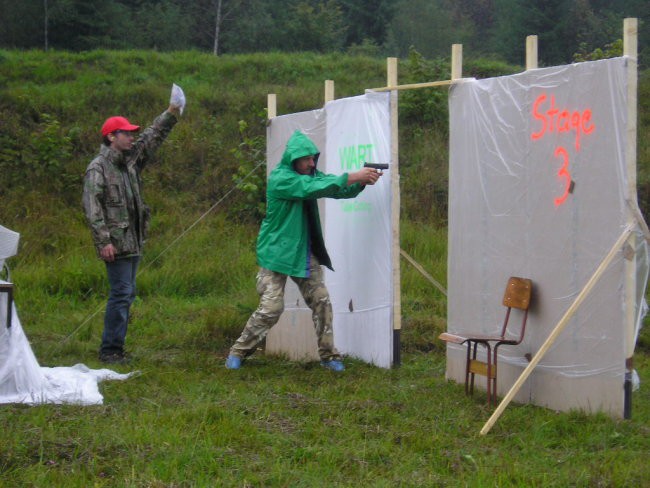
{"x":119,"y":218}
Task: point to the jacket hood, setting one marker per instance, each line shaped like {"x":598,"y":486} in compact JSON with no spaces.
{"x":298,"y":146}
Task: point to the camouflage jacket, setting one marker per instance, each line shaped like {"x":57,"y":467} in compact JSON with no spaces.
{"x":112,"y":197}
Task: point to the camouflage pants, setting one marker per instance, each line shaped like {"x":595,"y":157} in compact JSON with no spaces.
{"x":270,"y":287}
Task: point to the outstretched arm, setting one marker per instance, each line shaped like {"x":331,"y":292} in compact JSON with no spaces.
{"x":152,"y":137}
{"x":365,"y":176}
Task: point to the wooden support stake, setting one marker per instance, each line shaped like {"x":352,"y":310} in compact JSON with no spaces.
{"x":456,"y":61}
{"x":391,"y":80}
{"x":557,"y":330}
{"x":630,"y":50}
{"x":422,"y":271}
{"x":531,"y":52}
{"x":329,"y":90}
{"x":271,"y":106}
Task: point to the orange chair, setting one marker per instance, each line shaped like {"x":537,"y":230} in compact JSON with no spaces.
{"x":517,"y":295}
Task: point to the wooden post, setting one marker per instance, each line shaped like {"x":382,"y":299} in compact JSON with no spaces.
{"x":558,"y":329}
{"x":456,"y":61}
{"x":391,"y":81}
{"x":630,"y":51}
{"x":271,"y":106}
{"x":531,"y":52}
{"x":630,"y":33}
{"x":329,"y":90}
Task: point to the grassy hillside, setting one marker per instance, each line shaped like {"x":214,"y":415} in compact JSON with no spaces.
{"x":186,"y":421}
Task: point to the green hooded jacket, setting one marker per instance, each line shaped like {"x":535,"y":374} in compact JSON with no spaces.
{"x":291,"y":228}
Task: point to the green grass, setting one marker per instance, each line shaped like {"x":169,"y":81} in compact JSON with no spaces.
{"x":186,"y":421}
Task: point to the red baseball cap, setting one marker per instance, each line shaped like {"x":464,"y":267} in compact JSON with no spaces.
{"x":117,"y":123}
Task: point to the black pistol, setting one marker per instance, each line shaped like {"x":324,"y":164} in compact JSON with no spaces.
{"x":380,"y":166}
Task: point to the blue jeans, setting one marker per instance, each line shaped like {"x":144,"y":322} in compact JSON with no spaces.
{"x":121,"y":278}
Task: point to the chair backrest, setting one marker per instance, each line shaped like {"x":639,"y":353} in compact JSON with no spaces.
{"x":517,"y":295}
{"x":518,"y":292}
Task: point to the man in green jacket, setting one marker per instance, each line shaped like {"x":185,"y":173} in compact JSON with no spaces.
{"x":118,"y":217}
{"x":290,"y":243}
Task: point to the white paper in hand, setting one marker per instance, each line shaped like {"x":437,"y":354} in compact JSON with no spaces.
{"x":177,"y":98}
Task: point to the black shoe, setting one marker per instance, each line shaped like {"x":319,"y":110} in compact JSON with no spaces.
{"x":113,"y":358}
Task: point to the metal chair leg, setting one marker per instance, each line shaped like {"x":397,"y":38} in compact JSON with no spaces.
{"x":473,"y":375}
{"x":489,"y":373}
{"x":494,"y":380}
{"x":469,"y":348}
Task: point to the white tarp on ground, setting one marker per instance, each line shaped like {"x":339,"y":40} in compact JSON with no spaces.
{"x":539,"y":189}
{"x":22,"y":380}
{"x":357,"y":232}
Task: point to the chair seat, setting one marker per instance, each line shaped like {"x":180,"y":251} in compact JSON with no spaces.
{"x":461,"y":338}
{"x":456,"y":339}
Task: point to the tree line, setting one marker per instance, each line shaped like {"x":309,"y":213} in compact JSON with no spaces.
{"x":496,"y":28}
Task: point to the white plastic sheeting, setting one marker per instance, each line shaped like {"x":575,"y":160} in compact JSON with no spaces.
{"x":539,"y":189}
{"x":8,"y":244}
{"x":22,"y":380}
{"x":357,"y":232}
